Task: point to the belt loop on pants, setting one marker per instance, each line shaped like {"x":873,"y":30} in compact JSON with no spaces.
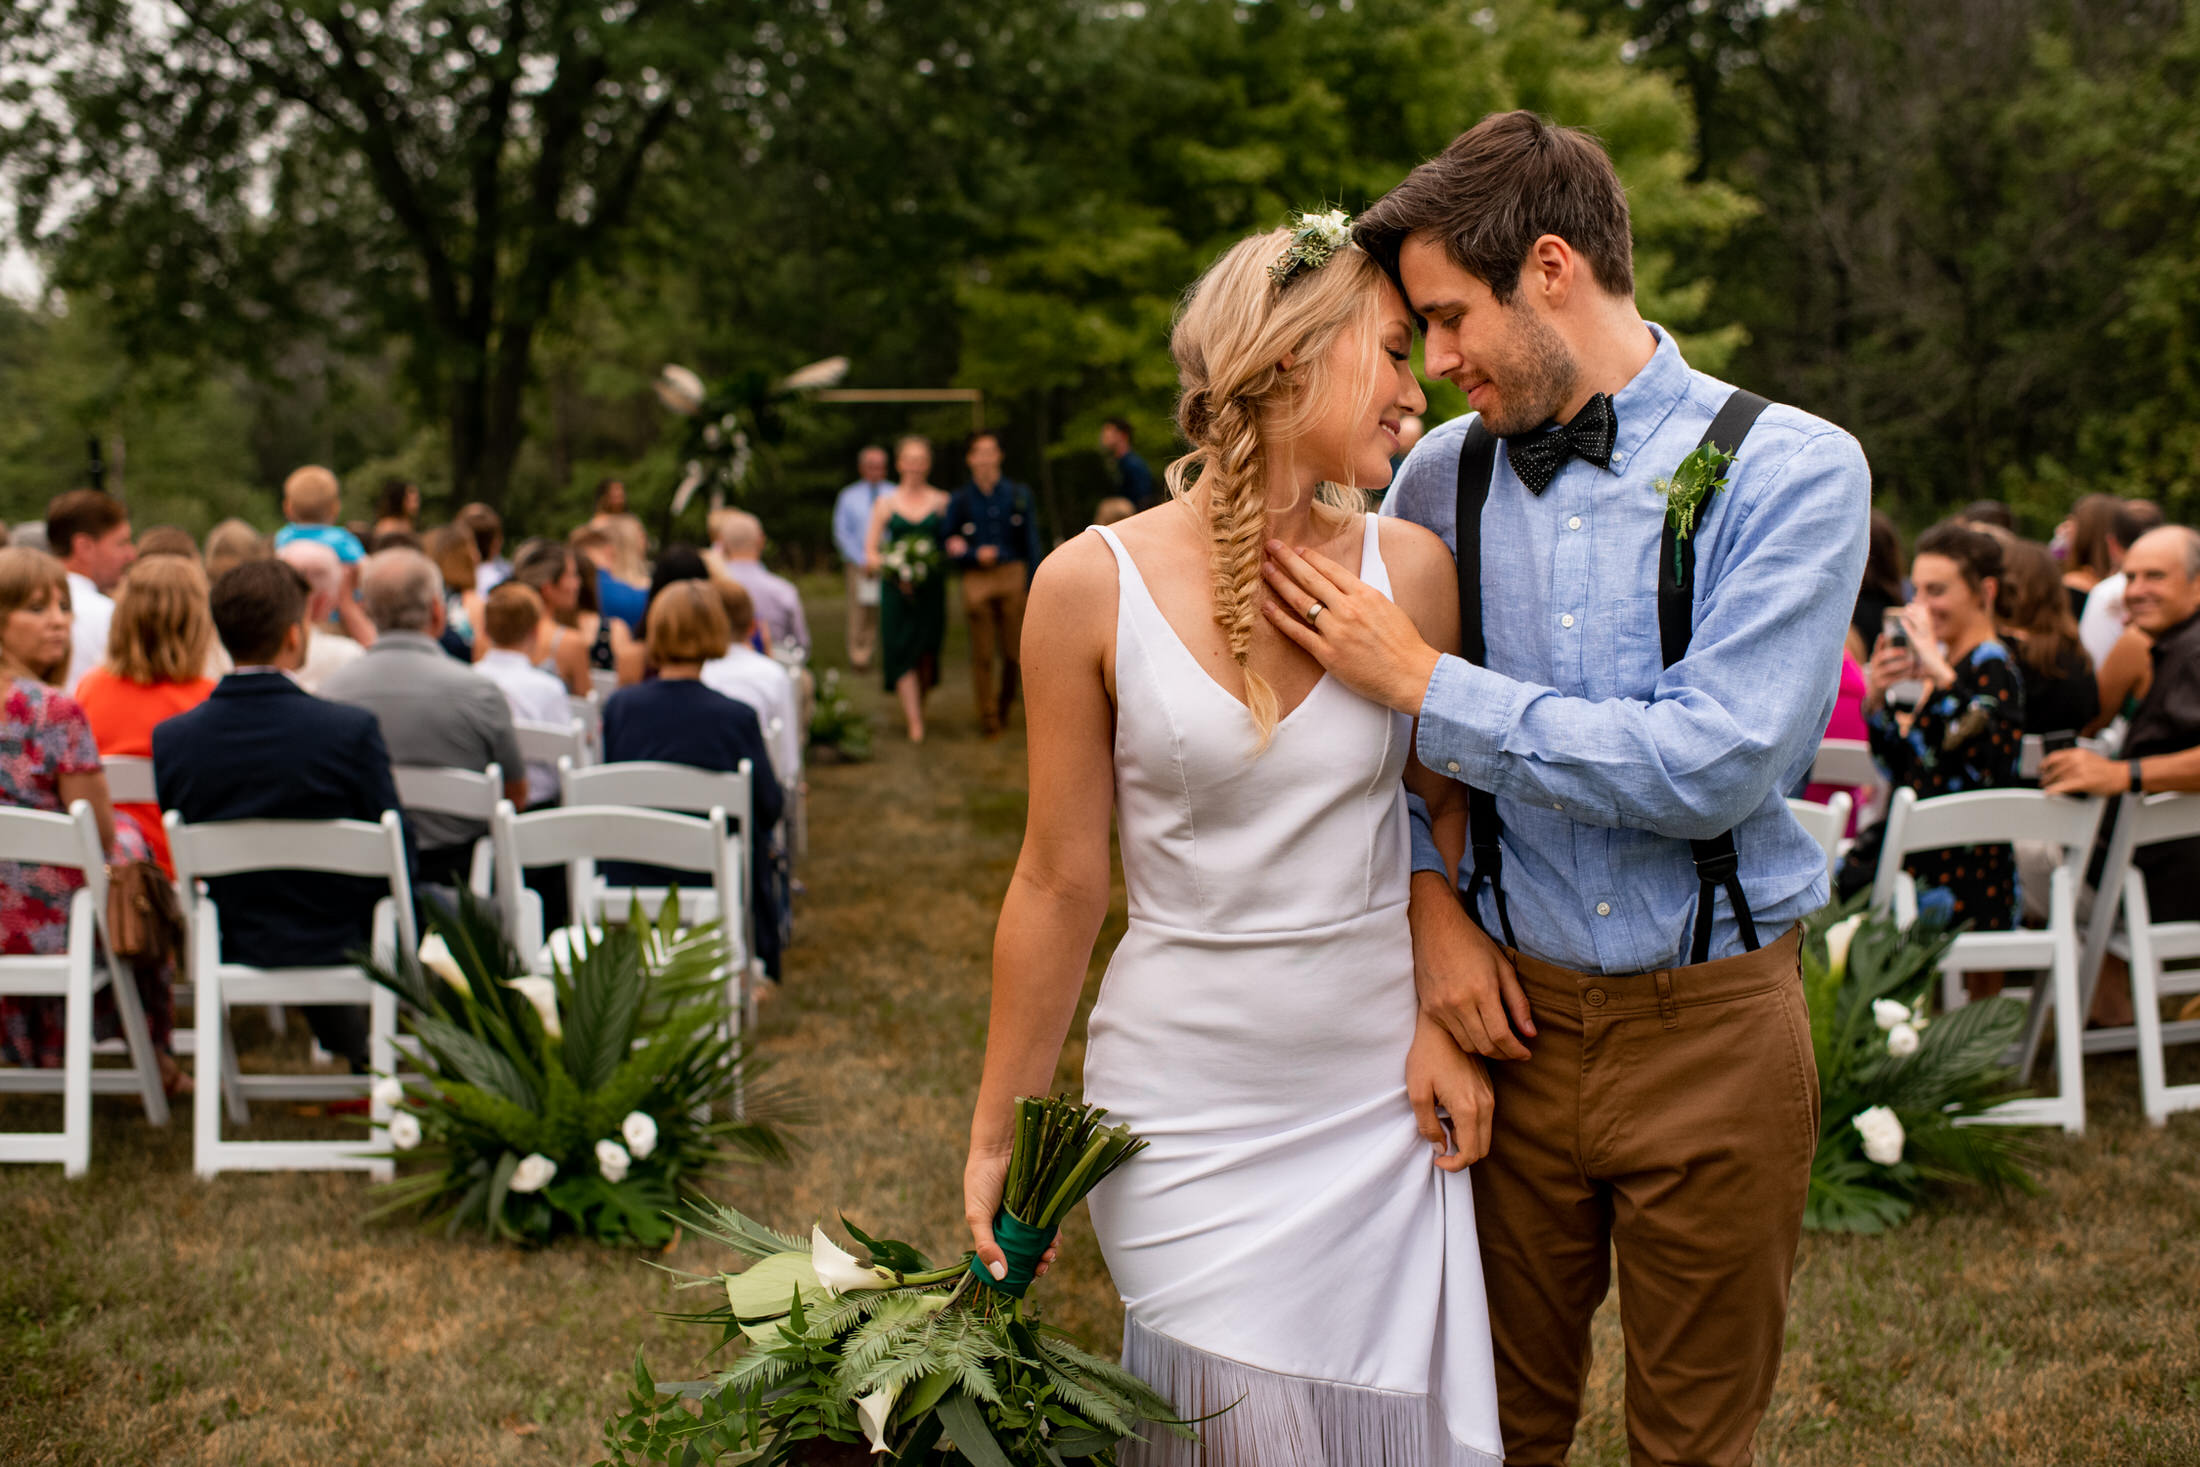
{"x":1667,"y":1009}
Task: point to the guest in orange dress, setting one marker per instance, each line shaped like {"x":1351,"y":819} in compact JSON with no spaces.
{"x":157,"y":648}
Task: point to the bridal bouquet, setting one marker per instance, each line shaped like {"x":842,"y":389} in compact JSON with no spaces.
{"x":933,"y":1365}
{"x":911,"y":561}
{"x":1893,"y":1083}
{"x":577,"y":1102}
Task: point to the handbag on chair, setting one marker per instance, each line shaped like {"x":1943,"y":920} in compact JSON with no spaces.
{"x":144,"y":922}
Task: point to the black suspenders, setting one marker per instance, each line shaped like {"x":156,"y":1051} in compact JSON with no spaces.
{"x":1717,"y":863}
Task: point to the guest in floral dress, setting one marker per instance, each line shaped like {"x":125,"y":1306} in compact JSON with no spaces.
{"x":1966,"y":731}
{"x":48,"y":761}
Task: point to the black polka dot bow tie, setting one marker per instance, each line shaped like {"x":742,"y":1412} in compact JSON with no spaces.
{"x":1538,"y":456}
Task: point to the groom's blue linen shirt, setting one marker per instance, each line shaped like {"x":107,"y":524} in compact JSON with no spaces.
{"x":1604,"y":762}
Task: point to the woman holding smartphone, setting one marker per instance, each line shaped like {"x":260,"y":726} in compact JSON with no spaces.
{"x":1964,"y":732}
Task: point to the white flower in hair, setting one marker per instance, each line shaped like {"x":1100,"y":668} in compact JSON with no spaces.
{"x":1314,"y":239}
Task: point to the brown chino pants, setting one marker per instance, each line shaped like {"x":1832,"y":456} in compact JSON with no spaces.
{"x":1670,"y":1117}
{"x":993,"y":597}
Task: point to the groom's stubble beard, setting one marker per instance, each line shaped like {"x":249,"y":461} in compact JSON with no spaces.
{"x":1535,"y":379}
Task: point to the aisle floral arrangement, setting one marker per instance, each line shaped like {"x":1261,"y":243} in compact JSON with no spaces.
{"x":934,"y":1365}
{"x":1893,"y":1083}
{"x":836,"y":723}
{"x":577,"y":1102}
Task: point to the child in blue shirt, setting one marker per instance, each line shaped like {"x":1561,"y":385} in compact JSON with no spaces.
{"x":311,"y":500}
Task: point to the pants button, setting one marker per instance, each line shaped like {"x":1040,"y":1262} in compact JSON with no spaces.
{"x":1594,"y":998}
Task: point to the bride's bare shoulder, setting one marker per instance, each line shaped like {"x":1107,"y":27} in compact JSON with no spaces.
{"x":1413,"y":550}
{"x":1074,"y":576}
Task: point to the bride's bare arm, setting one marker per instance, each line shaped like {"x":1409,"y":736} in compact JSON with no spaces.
{"x":1059,"y":894}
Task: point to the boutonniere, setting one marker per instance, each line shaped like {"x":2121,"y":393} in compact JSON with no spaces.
{"x":1699,"y":476}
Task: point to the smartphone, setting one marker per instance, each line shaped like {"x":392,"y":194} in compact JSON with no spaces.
{"x":2055,"y":743}
{"x":1890,"y":627}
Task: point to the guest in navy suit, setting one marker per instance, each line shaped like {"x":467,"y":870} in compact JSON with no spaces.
{"x":262,"y":748}
{"x":675,"y":718}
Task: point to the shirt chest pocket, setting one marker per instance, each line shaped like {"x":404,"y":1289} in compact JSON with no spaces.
{"x":1635,"y":651}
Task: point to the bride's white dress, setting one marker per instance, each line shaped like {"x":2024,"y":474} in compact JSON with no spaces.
{"x":1285,"y":1243}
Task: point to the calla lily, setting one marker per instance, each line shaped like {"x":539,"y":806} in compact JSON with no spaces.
{"x":1887,"y":1013}
{"x":534,"y":1173}
{"x":838,"y":1270}
{"x":822,"y":373}
{"x":1838,"y":938}
{"x":1902,"y":1041}
{"x":873,"y":1412}
{"x":435,"y":956}
{"x":543,"y":994}
{"x":612,"y":1161}
{"x":639,"y":1133}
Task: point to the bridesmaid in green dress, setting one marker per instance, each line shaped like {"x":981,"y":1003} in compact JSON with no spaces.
{"x":912,"y":617}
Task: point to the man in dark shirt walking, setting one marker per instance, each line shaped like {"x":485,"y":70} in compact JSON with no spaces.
{"x":1138,"y":485}
{"x":993,"y":536}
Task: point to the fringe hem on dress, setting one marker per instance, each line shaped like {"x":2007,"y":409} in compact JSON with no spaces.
{"x":1282,"y":1420}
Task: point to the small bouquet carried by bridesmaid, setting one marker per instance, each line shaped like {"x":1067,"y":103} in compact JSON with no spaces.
{"x":911,"y":561}
{"x":928,"y":1364}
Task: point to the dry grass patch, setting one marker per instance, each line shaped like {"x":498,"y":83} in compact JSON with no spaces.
{"x":146,"y":1318}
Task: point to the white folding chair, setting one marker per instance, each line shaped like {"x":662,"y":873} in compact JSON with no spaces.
{"x":461,"y":792}
{"x":129,"y":780}
{"x":1827,"y":824}
{"x":2003,"y":817}
{"x":603,"y":682}
{"x":1848,"y":764}
{"x":589,"y":711}
{"x":683,"y":789}
{"x":551,"y":743}
{"x":2146,"y":946}
{"x":578,"y":836}
{"x":75,"y":975}
{"x":339,"y":847}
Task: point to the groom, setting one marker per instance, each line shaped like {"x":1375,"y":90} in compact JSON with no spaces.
{"x":1648,"y":689}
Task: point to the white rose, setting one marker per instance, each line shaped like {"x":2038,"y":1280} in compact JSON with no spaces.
{"x":534,"y":1173}
{"x":1882,"y":1131}
{"x":1886,"y":1013}
{"x":388,"y":1091}
{"x":874,"y":1411}
{"x":838,"y":1270}
{"x":612,"y":1161}
{"x":640,"y":1133}
{"x":404,"y":1130}
{"x":435,"y":956}
{"x":1838,"y":938}
{"x":1902,"y":1041}
{"x":543,"y":994}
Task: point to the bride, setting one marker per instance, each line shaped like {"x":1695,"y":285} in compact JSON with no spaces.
{"x":1288,"y":1242}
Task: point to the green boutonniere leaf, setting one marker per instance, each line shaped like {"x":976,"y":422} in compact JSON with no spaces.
{"x":1699,"y":476}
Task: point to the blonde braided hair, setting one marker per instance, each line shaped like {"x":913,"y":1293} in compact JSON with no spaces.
{"x":1239,"y":402}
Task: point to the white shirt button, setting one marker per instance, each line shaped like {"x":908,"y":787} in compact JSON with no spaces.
{"x":1618,"y":460}
{"x":1567,"y":620}
{"x":1452,"y":766}
{"x":1574,"y":523}
{"x":1604,"y":909}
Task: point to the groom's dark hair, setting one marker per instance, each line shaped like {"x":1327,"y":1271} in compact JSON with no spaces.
{"x":1502,"y":185}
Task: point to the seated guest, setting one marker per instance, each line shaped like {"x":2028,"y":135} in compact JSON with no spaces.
{"x":397,"y":507}
{"x":2061,"y":693}
{"x":167,"y":540}
{"x":229,"y":545}
{"x":2162,"y":749}
{"x":512,"y":621}
{"x":157,"y":649}
{"x":90,"y":534}
{"x":262,"y":748}
{"x":48,"y":761}
{"x":312,"y":500}
{"x":678,"y":563}
{"x":433,"y":711}
{"x":739,"y":546}
{"x":487,"y":528}
{"x":1964,"y":733}
{"x":2102,"y":621}
{"x":748,"y":676}
{"x":618,"y":596}
{"x":675,"y":718}
{"x":572,"y":631}
{"x":326,"y":649}
{"x":452,"y":550}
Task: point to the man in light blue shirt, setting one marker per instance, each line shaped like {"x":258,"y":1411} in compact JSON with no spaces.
{"x":1646,"y":1099}
{"x":851,"y":532}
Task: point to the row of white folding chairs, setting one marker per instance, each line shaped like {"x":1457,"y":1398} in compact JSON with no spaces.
{"x":2123,"y":924}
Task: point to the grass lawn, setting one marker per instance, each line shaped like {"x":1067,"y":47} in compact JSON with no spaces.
{"x":146,"y":1317}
